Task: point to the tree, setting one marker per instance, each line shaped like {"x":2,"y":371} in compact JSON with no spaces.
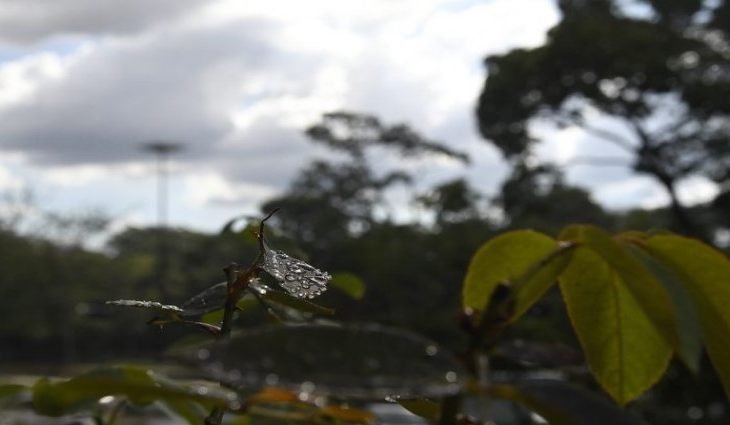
{"x":330,"y":200}
{"x":537,"y":197}
{"x":666,"y":78}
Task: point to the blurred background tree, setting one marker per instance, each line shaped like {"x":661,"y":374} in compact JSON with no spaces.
{"x":659,"y":70}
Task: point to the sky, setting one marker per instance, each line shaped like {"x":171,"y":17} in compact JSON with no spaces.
{"x":84,"y":83}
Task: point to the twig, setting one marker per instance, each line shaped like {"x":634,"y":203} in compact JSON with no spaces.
{"x":237,"y":281}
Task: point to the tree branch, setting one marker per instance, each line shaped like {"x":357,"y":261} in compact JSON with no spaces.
{"x":610,"y":161}
{"x":610,"y":136}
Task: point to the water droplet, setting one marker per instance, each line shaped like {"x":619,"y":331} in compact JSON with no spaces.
{"x":451,"y":376}
{"x":432,"y":350}
{"x":202,"y":390}
{"x":107,"y":399}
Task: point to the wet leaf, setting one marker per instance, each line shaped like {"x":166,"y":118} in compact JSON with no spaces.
{"x":150,"y":305}
{"x":298,"y":304}
{"x":560,"y":403}
{"x":354,"y":360}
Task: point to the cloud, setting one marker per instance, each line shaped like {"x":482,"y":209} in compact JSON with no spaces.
{"x":238,"y":82}
{"x":28,"y":21}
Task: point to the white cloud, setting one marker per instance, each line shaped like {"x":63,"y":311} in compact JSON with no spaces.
{"x":9,"y":182}
{"x":237,"y":82}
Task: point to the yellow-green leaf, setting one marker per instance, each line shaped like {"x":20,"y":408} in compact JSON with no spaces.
{"x":688,"y":324}
{"x":648,"y":292}
{"x":625,"y":351}
{"x":349,"y":284}
{"x":423,"y":407}
{"x":705,"y":272}
{"x":504,"y":259}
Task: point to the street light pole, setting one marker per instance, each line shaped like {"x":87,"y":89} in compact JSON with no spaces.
{"x":162,"y":151}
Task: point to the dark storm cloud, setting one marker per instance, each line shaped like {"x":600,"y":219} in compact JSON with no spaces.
{"x":28,"y":21}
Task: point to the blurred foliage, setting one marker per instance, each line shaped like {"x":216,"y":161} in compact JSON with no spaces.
{"x":660,"y":82}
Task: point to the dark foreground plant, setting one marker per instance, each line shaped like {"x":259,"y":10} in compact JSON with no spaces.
{"x":635,"y":300}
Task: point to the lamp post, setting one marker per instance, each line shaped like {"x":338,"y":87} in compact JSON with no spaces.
{"x":162,"y":150}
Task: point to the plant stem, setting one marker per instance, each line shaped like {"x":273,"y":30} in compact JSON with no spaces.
{"x":237,"y":282}
{"x":216,"y":415}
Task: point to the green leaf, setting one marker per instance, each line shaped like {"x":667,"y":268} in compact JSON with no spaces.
{"x":705,"y":274}
{"x":529,"y":287}
{"x":299,"y":304}
{"x":504,"y":260}
{"x":625,"y":351}
{"x":689,"y":330}
{"x":7,"y":390}
{"x":560,"y":403}
{"x":648,"y":292}
{"x":423,"y":407}
{"x":211,"y":299}
{"x":193,"y":413}
{"x":139,"y":385}
{"x":349,"y":284}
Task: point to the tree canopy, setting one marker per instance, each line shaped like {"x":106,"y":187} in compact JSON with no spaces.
{"x":665,"y":77}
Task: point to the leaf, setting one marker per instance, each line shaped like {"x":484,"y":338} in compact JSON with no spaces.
{"x":560,"y":403}
{"x":689,"y":330}
{"x":193,"y":413}
{"x":353,"y":360}
{"x":211,"y":299}
{"x":529,"y":287}
{"x":139,"y":385}
{"x":705,"y":274}
{"x":299,"y":304}
{"x":7,"y":390}
{"x":624,"y":350}
{"x":503,"y":260}
{"x":348,"y":283}
{"x":150,"y":305}
{"x":425,"y":408}
{"x":651,"y":295}
{"x":274,"y":395}
{"x":339,"y":414}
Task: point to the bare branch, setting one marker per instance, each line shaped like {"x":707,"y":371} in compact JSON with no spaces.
{"x":610,"y":136}
{"x":610,"y":161}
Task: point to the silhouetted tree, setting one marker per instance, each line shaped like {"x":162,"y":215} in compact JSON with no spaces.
{"x":665,"y":77}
